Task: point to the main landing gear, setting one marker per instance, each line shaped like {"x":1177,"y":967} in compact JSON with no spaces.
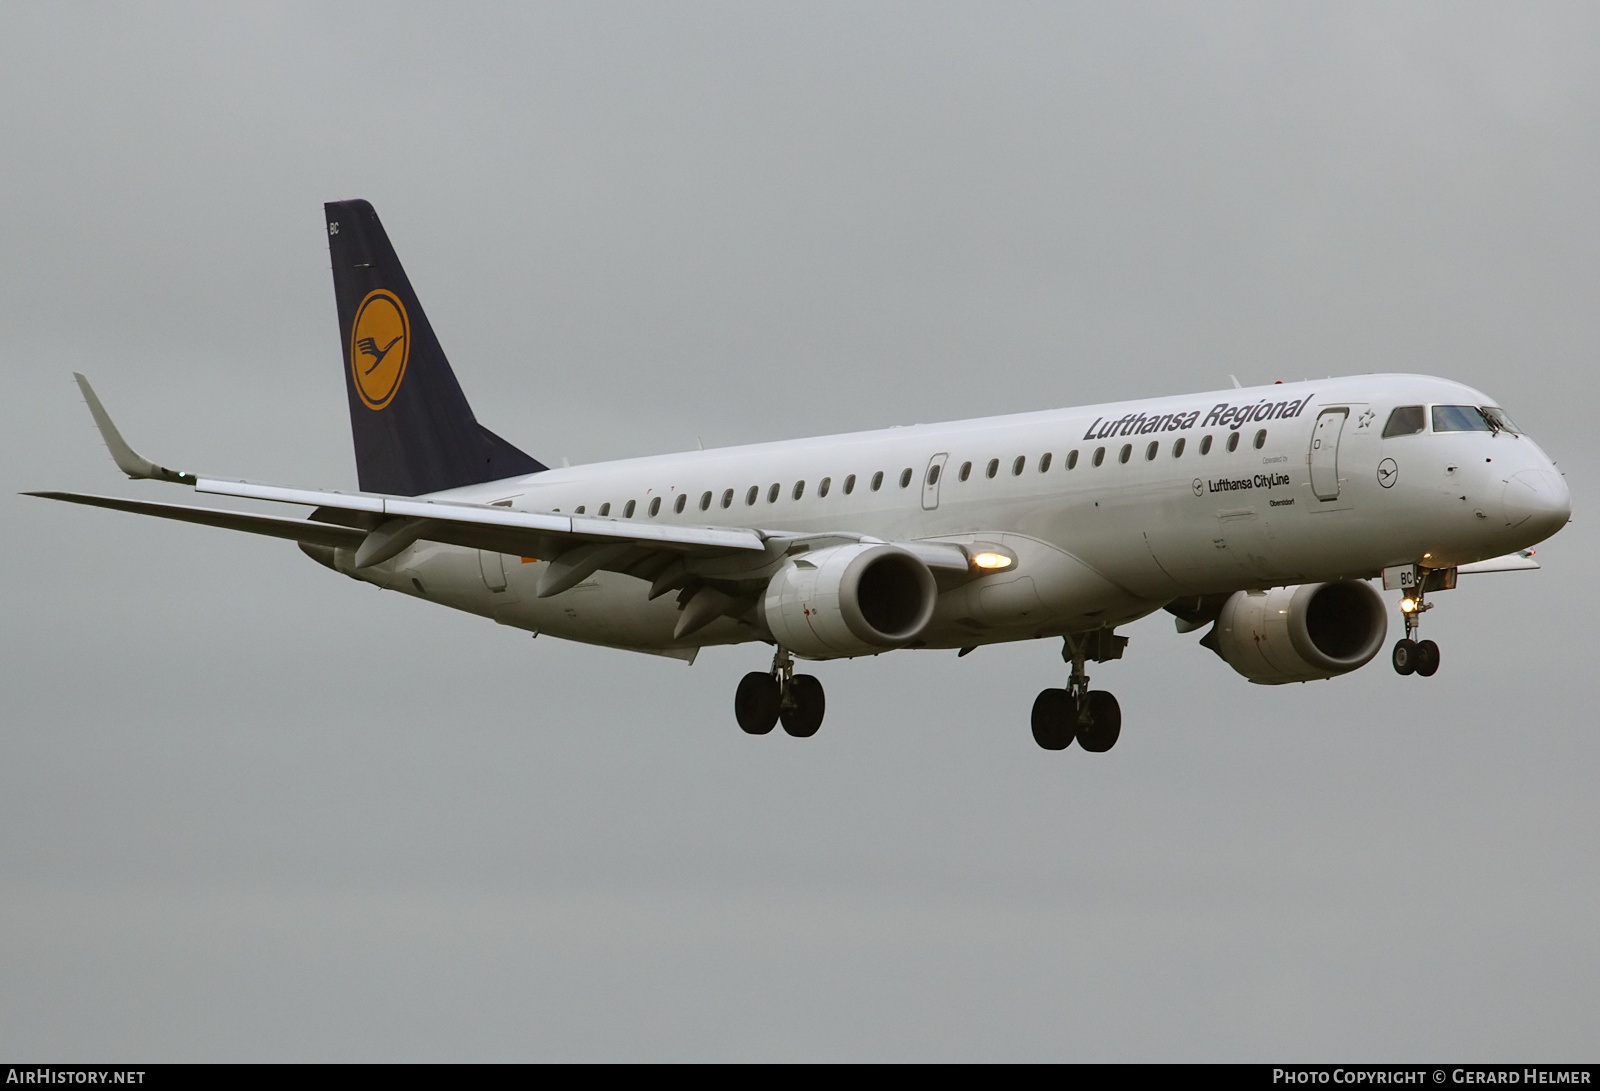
{"x":763,"y":699}
{"x":1413,"y":656}
{"x":1093,"y":717}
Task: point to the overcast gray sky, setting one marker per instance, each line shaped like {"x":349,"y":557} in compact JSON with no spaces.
{"x":252,"y":810}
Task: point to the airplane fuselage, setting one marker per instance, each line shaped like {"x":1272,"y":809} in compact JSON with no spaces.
{"x":1110,"y":511}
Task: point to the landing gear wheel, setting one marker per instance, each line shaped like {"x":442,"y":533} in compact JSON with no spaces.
{"x":807,"y":705}
{"x":755,"y":703}
{"x":1054,"y":719}
{"x":1105,"y":723}
{"x":1405,"y":657}
{"x":1427,"y":658}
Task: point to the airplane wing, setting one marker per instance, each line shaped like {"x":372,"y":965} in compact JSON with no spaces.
{"x":379,"y":527}
{"x":297,"y":530}
{"x":1520,"y":561}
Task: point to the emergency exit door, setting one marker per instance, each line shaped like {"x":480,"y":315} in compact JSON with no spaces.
{"x":930,"y":482}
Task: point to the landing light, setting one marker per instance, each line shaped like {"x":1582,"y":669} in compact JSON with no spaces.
{"x":1407,"y":605}
{"x":991,"y":560}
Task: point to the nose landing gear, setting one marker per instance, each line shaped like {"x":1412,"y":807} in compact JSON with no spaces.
{"x":1093,"y":717}
{"x":1413,"y":656}
{"x":762,"y":700}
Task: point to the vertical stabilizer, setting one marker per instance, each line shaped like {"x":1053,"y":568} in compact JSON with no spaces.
{"x":414,"y":431}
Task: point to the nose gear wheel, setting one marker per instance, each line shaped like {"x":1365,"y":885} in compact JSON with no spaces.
{"x":1413,"y":656}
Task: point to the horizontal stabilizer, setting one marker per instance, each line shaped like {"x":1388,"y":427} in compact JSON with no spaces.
{"x":295,"y":530}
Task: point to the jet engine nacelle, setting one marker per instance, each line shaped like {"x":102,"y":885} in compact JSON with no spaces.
{"x":1299,"y":633}
{"x":849,"y":600}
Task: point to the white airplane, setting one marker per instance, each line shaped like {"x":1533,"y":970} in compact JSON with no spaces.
{"x":1260,"y":511}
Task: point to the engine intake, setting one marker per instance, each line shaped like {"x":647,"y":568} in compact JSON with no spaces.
{"x":849,"y":600}
{"x":1300,"y":633}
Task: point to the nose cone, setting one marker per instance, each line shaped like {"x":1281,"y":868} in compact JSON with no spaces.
{"x":1537,"y":503}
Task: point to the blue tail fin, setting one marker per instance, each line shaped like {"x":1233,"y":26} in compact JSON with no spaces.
{"x":414,"y":431}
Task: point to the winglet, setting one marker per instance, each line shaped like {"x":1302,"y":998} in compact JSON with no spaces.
{"x":127,"y":459}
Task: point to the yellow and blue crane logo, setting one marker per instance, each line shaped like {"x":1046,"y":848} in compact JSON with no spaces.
{"x":380,"y":342}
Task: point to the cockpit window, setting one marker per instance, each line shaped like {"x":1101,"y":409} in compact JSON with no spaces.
{"x":1407,"y":420}
{"x":1498,"y":418}
{"x":1460,"y":418}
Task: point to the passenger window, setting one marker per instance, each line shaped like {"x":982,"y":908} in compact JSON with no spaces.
{"x":933,"y":474}
{"x":655,"y":506}
{"x":578,"y":510}
{"x":1018,"y":465}
{"x":627,"y":510}
{"x":605,"y":509}
{"x":705,"y":502}
{"x":1205,"y":445}
{"x":1233,"y":441}
{"x":727,"y":499}
{"x":1150,"y":451}
{"x":1407,"y":420}
{"x":1044,"y":462}
{"x":772,"y":493}
{"x":1177,"y":447}
{"x":994,"y":467}
{"x":678,"y":504}
{"x":799,"y":489}
{"x":850,"y":484}
{"x":966,"y":471}
{"x":822,"y":486}
{"x":905,"y":477}
{"x":1127,"y":452}
{"x":750,"y":496}
{"x":1072,"y":460}
{"x":877,"y":481}
{"x":1099,"y":455}
{"x":1261,"y":439}
{"x":1460,"y":418}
